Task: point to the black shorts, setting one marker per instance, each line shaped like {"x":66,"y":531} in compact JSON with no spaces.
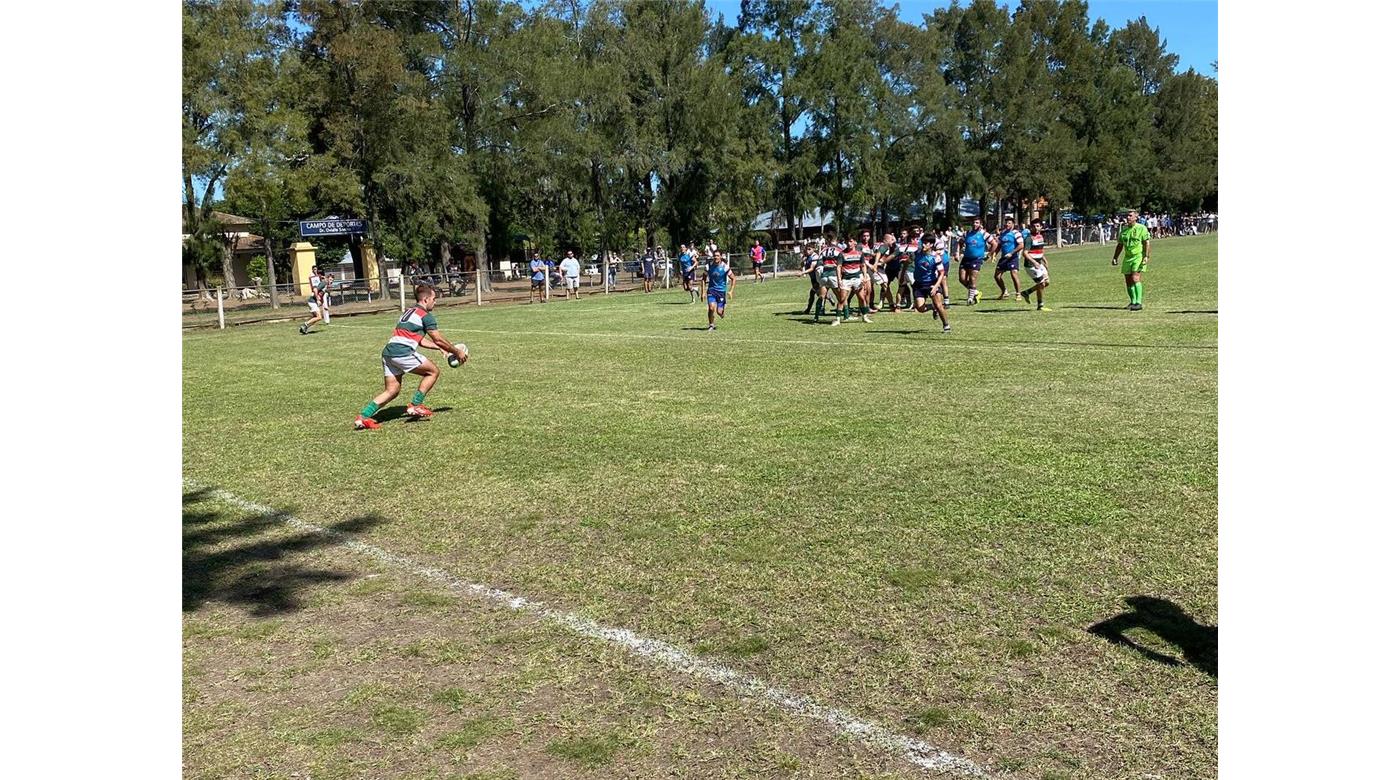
{"x":924,"y":290}
{"x":536,"y":283}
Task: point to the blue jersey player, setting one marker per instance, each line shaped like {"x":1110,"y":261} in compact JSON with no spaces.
{"x":1012,"y":243}
{"x":687,"y":261}
{"x":976,"y":244}
{"x":719,"y":277}
{"x":930,"y":280}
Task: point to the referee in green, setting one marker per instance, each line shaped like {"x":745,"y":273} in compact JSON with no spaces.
{"x":1134,"y":244}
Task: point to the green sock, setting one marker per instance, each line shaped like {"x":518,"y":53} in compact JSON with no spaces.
{"x":418,"y":398}
{"x":1132,"y":293}
{"x":1137,"y":293}
{"x":862,"y":310}
{"x":846,"y":312}
{"x":369,"y":410}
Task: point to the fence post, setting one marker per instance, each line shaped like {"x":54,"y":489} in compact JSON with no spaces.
{"x":478,"y":284}
{"x":219,"y":296}
{"x":403,"y":304}
{"x":547,"y":273}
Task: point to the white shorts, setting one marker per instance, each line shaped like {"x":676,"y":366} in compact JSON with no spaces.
{"x":571,"y":283}
{"x":830,"y":282}
{"x":879,"y":278}
{"x":1037,"y":272}
{"x":852,"y":284}
{"x":312,"y":305}
{"x":398,"y":366}
{"x":909,"y":278}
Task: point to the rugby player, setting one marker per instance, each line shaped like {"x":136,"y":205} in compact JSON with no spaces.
{"x":719,"y":277}
{"x":1036,"y":267}
{"x":1011,"y":243}
{"x":976,"y":244}
{"x":318,"y":301}
{"x":929,"y":281}
{"x":853,"y":281}
{"x":687,"y":260}
{"x":401,"y":356}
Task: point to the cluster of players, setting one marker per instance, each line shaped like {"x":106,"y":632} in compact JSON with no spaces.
{"x":857,"y":277}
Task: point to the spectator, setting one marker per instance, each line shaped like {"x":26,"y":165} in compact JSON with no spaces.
{"x":648,"y":268}
{"x":537,"y":272}
{"x":569,"y":268}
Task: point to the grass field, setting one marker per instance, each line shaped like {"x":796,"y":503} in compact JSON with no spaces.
{"x":919,"y":528}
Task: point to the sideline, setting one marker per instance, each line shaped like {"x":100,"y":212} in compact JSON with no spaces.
{"x":917,"y":752}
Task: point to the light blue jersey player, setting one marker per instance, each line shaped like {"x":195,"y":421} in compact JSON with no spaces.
{"x":687,"y":262}
{"x":1011,"y":243}
{"x":719,"y":276}
{"x":976,"y":244}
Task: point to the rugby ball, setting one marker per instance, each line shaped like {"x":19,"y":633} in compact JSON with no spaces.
{"x":452,"y":359}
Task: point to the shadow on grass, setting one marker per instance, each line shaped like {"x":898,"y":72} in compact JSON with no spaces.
{"x":1191,"y":311}
{"x":1124,"y":307}
{"x":249,"y":561}
{"x":1168,"y":621}
{"x":389,"y":413}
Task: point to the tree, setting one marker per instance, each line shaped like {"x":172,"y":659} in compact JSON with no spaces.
{"x":228,"y":60}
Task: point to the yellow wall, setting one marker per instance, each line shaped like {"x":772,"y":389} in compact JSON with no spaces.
{"x":303,"y":257}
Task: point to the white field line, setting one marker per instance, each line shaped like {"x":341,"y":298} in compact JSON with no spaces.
{"x":935,"y":340}
{"x":917,"y":752}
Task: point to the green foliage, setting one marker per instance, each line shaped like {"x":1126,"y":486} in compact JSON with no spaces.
{"x":257,"y":268}
{"x":616,"y":123}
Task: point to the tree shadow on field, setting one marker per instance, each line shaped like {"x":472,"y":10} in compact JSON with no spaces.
{"x":1169,"y":622}
{"x":247,"y":559}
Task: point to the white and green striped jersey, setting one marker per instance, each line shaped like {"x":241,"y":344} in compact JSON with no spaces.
{"x":409,"y":332}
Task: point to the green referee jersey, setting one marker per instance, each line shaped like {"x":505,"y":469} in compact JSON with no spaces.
{"x":1132,"y":238}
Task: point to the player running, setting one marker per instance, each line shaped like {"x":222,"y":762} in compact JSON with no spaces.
{"x":1011,"y":243}
{"x":930,"y":279}
{"x":687,"y":260}
{"x":976,"y":244}
{"x":1134,"y":243}
{"x":400,"y":356}
{"x":757,"y":255}
{"x":318,"y":300}
{"x":719,"y":277}
{"x":1036,"y":267}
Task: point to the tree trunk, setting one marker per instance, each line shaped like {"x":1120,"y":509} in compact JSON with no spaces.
{"x":226,"y":255}
{"x":271,"y":272}
{"x":482,"y":263}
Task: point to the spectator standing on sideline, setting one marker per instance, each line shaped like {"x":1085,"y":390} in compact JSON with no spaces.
{"x":569,"y":270}
{"x":537,"y":272}
{"x":648,"y":268}
{"x":757,"y":255}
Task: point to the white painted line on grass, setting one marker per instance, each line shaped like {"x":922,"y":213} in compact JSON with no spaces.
{"x":917,"y":752}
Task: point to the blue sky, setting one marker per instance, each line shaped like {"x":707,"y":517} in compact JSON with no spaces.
{"x":1190,"y":27}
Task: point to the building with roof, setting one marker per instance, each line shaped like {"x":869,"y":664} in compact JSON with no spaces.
{"x":244,"y":244}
